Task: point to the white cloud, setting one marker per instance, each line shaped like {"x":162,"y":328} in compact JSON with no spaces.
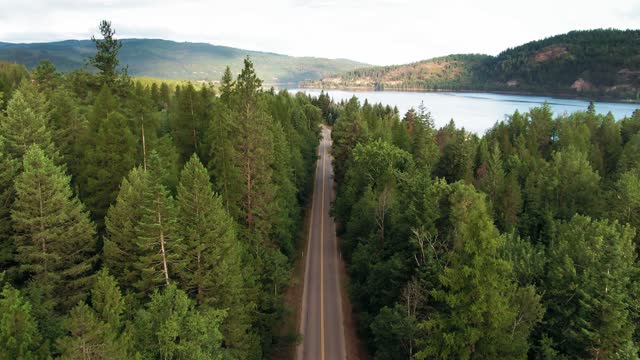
{"x":373,"y":31}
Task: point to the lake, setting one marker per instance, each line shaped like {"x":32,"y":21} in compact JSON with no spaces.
{"x":477,"y":112}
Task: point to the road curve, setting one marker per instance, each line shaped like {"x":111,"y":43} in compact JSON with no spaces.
{"x":321,"y":322}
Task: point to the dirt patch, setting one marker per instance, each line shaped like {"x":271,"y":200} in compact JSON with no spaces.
{"x":582,"y":85}
{"x":551,"y":52}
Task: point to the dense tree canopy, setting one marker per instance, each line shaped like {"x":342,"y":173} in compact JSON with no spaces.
{"x":193,"y":210}
{"x":517,"y":244}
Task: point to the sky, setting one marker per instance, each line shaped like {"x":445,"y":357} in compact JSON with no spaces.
{"x":379,"y":32}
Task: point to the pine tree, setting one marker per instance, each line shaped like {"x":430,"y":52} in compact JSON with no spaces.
{"x":120,"y":246}
{"x":54,"y":237}
{"x":8,"y":171}
{"x":254,"y":154}
{"x":591,"y":287}
{"x":19,"y":335}
{"x":68,"y":127}
{"x":478,"y":292}
{"x":109,"y":154}
{"x":97,"y":331}
{"x":170,"y":328}
{"x":106,"y":57}
{"x":188,"y":123}
{"x":220,"y":136}
{"x":158,"y":242}
{"x":25,"y":125}
{"x":88,"y":337}
{"x":213,"y":270}
{"x":146,"y":124}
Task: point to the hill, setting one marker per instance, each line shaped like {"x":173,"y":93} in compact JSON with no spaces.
{"x":599,"y":63}
{"x":178,"y":60}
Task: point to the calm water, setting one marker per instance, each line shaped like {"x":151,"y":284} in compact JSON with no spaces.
{"x":475,"y":111}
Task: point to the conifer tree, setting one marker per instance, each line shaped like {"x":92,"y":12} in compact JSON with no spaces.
{"x":109,"y":154}
{"x":120,"y":246}
{"x":25,"y":125}
{"x":19,"y":335}
{"x":106,"y":57}
{"x":480,"y":306}
{"x":54,"y":237}
{"x":157,"y":239}
{"x":188,"y":123}
{"x":8,"y":171}
{"x":591,"y":286}
{"x":169,"y":327}
{"x":213,"y":270}
{"x":254,"y":153}
{"x":97,"y":331}
{"x":68,"y":127}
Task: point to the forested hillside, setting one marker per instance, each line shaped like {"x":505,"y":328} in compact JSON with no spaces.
{"x":518,"y":244}
{"x":147,"y":222}
{"x":178,"y":60}
{"x":594,"y":63}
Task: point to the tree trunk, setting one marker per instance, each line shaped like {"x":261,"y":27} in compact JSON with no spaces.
{"x":144,"y":146}
{"x":163,"y":253}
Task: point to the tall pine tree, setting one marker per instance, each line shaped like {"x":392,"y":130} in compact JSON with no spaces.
{"x":54,"y":237}
{"x":213,"y":269}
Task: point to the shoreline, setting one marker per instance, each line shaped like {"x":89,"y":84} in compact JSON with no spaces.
{"x":466,"y":91}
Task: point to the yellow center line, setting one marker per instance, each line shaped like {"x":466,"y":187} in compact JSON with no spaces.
{"x":324,"y":157}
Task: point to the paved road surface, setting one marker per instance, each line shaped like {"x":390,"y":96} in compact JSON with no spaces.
{"x":321,"y":323}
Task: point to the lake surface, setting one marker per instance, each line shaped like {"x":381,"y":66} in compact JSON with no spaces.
{"x":477,"y":112}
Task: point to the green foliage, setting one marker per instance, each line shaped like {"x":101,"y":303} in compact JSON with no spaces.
{"x":169,"y":327}
{"x":604,"y":59}
{"x":54,"y":237}
{"x":19,"y":335}
{"x":480,"y":312}
{"x":109,"y":154}
{"x":106,"y":57}
{"x":164,"y":59}
{"x":591,"y":284}
{"x":202,"y":275}
{"x":26,"y":123}
{"x":212,"y":273}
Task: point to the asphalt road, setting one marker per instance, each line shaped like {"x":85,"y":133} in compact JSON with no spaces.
{"x":321,"y":323}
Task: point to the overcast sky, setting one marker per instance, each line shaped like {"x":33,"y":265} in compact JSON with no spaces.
{"x":374,"y":31}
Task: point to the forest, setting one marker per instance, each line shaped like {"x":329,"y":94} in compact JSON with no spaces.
{"x":517,"y":244}
{"x":605,"y":61}
{"x":142,"y":220}
{"x":147,"y":221}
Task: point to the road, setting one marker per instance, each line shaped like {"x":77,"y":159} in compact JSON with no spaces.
{"x":321,"y":323}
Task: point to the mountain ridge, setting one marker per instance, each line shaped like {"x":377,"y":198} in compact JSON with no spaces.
{"x":602,"y":63}
{"x":167,"y":59}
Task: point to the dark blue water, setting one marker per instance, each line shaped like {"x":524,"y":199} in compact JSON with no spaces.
{"x":477,"y":112}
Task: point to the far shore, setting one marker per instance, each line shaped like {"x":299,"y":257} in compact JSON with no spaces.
{"x":502,"y":92}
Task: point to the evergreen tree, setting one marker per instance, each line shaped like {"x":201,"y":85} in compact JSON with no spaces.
{"x":591,"y":286}
{"x":158,"y":242}
{"x":19,"y":335}
{"x":54,"y":237}
{"x":120,"y":247}
{"x":254,"y":154}
{"x":188,"y":123}
{"x":109,"y":154}
{"x":97,"y":331}
{"x":212,"y":273}
{"x":170,"y":328}
{"x":25,"y":125}
{"x":480,"y":307}
{"x":106,"y":57}
{"x":8,"y":171}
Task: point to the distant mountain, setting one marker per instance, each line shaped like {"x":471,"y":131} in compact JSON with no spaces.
{"x":599,"y":63}
{"x":178,"y":60}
